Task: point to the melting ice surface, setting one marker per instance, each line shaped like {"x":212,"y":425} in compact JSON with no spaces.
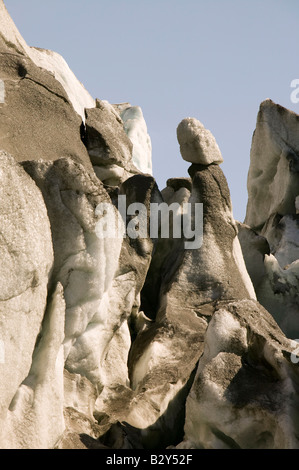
{"x":136,"y":130}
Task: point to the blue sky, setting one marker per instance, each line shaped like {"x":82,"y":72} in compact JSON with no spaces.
{"x":215,"y":60}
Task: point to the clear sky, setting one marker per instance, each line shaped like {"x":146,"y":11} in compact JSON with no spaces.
{"x":214,"y":60}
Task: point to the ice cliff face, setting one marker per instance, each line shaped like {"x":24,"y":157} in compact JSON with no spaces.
{"x":139,"y":342}
{"x":272,"y":212}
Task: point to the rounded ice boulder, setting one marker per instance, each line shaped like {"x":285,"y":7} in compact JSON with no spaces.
{"x":197,"y":144}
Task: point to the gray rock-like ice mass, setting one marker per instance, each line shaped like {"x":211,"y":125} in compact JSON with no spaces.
{"x":197,"y":144}
{"x":132,"y":342}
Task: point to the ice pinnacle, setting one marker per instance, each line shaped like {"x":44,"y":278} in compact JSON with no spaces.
{"x":197,"y":144}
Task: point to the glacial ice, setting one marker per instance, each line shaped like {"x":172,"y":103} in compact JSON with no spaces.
{"x":136,"y":129}
{"x":26,"y":263}
{"x":49,"y":60}
{"x":55,"y":63}
{"x":273,"y":173}
{"x":101,"y":335}
{"x":231,"y":403}
{"x":197,"y":144}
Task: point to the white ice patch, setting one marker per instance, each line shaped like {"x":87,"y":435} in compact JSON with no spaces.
{"x":35,"y":418}
{"x":88,"y":354}
{"x":222,"y":328}
{"x":153,"y":356}
{"x":2,"y":91}
{"x":136,"y":130}
{"x":239,"y":260}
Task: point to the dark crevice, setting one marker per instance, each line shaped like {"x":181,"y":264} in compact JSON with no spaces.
{"x":83,"y":133}
{"x":226,"y":439}
{"x":48,"y":89}
{"x":22,"y":71}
